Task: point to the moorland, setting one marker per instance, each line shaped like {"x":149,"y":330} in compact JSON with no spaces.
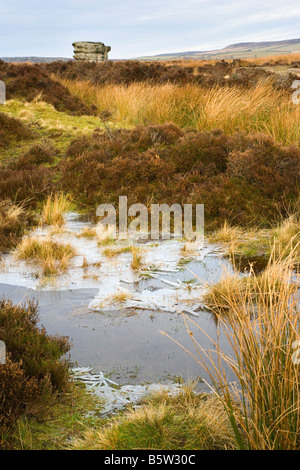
{"x":225,"y":134}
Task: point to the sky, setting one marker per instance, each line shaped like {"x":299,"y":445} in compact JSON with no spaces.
{"x":136,"y":28}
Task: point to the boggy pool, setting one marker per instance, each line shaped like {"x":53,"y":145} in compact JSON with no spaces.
{"x":114,"y":315}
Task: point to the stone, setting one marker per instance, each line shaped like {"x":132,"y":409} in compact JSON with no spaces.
{"x":91,"y":51}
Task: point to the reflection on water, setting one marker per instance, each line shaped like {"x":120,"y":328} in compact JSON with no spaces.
{"x":123,"y":339}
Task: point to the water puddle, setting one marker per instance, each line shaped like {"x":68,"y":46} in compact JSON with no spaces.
{"x":113,"y":314}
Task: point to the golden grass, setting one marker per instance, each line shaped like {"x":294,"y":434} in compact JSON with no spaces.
{"x":11,"y":215}
{"x":54,"y":257}
{"x":284,"y":59}
{"x":121,"y":297}
{"x":118,"y":297}
{"x":184,"y":421}
{"x":10,"y":219}
{"x":263,"y":404}
{"x":286,"y":237}
{"x":226,"y":234}
{"x":136,"y":262}
{"x":188,"y":250}
{"x":87,"y":232}
{"x":105,"y":234}
{"x":250,"y":288}
{"x":12,"y":223}
{"x":54,"y":209}
{"x":257,"y":109}
{"x":278,"y":242}
{"x":115,"y":251}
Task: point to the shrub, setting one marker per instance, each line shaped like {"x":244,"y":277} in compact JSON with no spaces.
{"x":121,"y":72}
{"x":13,"y":129}
{"x":26,"y":342}
{"x":13,"y":222}
{"x":34,"y":372}
{"x":29,"y":185}
{"x":245,"y":179}
{"x":236,"y":73}
{"x":17,"y":393}
{"x":267,"y":165}
{"x":30,"y":82}
{"x":39,"y":153}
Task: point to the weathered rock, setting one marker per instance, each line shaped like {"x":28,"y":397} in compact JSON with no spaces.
{"x":91,"y":51}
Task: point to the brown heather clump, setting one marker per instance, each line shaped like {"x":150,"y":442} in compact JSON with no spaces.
{"x":34,"y":372}
{"x":121,"y":72}
{"x":31,"y":81}
{"x":246,"y":179}
{"x":39,"y":153}
{"x":17,"y":393}
{"x":13,"y":222}
{"x":222,"y":73}
{"x":272,"y":168}
{"x":12,"y":129}
{"x":28,"y":185}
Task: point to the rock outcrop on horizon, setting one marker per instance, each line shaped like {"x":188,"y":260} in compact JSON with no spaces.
{"x":91,"y":51}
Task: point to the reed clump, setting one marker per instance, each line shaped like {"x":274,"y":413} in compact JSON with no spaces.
{"x":13,"y":221}
{"x":262,"y":328}
{"x":54,"y":209}
{"x":258,"y":108}
{"x":54,"y":257}
{"x":137,"y":258}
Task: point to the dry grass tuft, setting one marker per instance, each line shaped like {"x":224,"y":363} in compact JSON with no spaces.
{"x":226,"y":234}
{"x":54,"y":257}
{"x":54,"y":209}
{"x":115,"y":251}
{"x":13,"y":221}
{"x":262,"y":328}
{"x":252,"y":288}
{"x":185,"y":421}
{"x":258,"y":108}
{"x":136,"y":262}
{"x":105,"y":234}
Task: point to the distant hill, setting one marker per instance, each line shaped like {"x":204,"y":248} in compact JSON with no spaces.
{"x":34,"y":59}
{"x":235,"y":51}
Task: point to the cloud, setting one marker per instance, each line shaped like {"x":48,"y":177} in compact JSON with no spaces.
{"x":133,"y":28}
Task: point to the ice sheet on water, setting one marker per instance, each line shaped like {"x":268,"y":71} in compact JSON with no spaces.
{"x":117,"y":282}
{"x":115,"y":397}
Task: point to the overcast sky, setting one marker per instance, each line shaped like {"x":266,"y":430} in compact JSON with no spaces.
{"x":141,"y":27}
